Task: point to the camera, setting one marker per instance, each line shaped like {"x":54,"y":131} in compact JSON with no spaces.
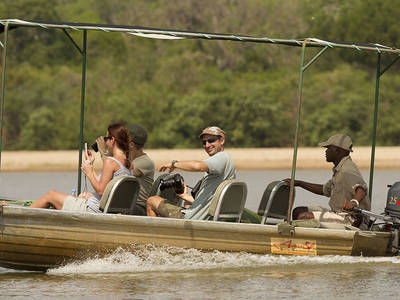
{"x":95,"y":147}
{"x":173,"y":181}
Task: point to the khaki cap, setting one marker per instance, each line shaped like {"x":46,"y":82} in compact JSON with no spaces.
{"x":213,"y":130}
{"x":340,"y":140}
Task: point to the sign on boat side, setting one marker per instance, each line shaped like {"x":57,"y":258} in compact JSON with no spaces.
{"x":293,"y":246}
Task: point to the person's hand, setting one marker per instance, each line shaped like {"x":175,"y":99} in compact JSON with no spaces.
{"x":85,"y":195}
{"x":90,"y":156}
{"x":186,"y":196}
{"x":349,"y":205}
{"x":288,"y":180}
{"x":87,"y":167}
{"x":166,"y":167}
{"x":101,"y":144}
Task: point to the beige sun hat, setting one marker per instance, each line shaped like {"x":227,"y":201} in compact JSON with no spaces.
{"x":340,"y":140}
{"x":213,"y":130}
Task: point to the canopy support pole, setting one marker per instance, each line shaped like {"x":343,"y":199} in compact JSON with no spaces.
{"x":296,"y":137}
{"x":379,"y":73}
{"x":390,"y":65}
{"x":314,"y":58}
{"x":82,"y":109}
{"x":3,"y":82}
{"x":371,"y":170}
{"x":73,"y":42}
{"x":291,"y":193}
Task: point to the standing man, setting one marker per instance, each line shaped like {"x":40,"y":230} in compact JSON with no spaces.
{"x":218,"y":167}
{"x":347,"y":189}
{"x":142,"y":164}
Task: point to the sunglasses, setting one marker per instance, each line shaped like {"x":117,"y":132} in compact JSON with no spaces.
{"x":107,"y":138}
{"x":210,"y":141}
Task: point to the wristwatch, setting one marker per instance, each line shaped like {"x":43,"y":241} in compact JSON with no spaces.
{"x":173,"y":163}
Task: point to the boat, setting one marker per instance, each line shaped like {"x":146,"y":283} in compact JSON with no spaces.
{"x":40,"y":239}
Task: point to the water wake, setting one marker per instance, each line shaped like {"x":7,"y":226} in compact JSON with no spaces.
{"x":148,"y":258}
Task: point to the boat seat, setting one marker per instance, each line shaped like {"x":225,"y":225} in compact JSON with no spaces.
{"x":168,"y":193}
{"x":275,"y":201}
{"x":228,"y":201}
{"x":120,"y":195}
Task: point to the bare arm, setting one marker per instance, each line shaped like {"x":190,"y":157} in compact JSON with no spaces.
{"x":311,"y":187}
{"x":186,"y":197}
{"x":188,"y":165}
{"x":360,"y":194}
{"x":101,"y":145}
{"x":109,"y":167}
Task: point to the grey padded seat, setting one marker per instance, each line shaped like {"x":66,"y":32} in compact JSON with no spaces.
{"x":120,"y":195}
{"x":275,"y":201}
{"x":228,"y":201}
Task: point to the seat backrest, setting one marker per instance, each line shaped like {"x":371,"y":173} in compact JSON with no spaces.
{"x":168,"y":193}
{"x":228,"y":201}
{"x":275,"y":201}
{"x":120,"y":195}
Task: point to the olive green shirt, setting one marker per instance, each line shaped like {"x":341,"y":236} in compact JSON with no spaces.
{"x":345,"y":180}
{"x":146,"y":166}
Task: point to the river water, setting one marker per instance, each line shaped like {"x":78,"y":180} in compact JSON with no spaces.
{"x":173,"y":273}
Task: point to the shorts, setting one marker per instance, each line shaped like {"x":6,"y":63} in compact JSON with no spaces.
{"x":329,"y":216}
{"x":168,"y":210}
{"x":323,"y":214}
{"x":75,"y":204}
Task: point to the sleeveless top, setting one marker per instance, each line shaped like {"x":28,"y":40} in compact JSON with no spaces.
{"x":94,"y":201}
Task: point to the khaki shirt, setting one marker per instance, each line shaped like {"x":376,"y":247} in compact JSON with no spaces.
{"x":345,"y":180}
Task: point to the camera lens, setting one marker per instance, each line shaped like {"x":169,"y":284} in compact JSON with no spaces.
{"x":175,"y":181}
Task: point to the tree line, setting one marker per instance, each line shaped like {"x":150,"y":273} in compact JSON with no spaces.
{"x":176,"y":88}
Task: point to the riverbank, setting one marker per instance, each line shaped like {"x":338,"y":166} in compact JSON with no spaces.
{"x":245,"y":159}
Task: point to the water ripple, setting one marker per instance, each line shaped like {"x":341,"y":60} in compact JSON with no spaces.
{"x":149,"y":258}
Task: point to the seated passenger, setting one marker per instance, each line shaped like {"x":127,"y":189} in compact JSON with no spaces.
{"x":347,"y":189}
{"x":117,"y":141}
{"x":142,"y":166}
{"x":218,"y":167}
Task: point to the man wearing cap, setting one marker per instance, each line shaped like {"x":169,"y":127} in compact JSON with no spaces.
{"x":143,"y":166}
{"x":347,"y":189}
{"x":218,"y":167}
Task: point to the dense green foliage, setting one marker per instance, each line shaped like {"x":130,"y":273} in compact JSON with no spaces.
{"x":175,"y":88}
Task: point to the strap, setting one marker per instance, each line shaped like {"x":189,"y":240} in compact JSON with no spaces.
{"x":116,"y":160}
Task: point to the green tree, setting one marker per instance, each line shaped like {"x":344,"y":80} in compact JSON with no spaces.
{"x":38,"y":133}
{"x":175,"y":88}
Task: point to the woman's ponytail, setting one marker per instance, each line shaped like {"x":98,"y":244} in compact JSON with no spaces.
{"x":123,"y":139}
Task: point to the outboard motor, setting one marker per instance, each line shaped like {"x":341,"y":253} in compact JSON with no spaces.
{"x":393,"y":210}
{"x":393,"y":200}
{"x":391,"y":218}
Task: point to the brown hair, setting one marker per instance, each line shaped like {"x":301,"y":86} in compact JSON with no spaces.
{"x":123,"y":139}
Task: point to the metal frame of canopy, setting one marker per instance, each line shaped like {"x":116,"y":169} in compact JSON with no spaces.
{"x":7,"y":24}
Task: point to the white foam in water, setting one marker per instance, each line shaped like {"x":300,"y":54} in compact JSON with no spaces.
{"x":151,"y":258}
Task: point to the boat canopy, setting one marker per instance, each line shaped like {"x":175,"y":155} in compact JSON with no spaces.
{"x":180,"y":34}
{"x":167,"y":34}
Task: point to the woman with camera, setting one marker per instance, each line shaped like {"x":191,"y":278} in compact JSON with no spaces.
{"x":116,"y":164}
{"x":142,"y":166}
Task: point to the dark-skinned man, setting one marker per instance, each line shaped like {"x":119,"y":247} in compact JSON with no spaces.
{"x":347,"y":189}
